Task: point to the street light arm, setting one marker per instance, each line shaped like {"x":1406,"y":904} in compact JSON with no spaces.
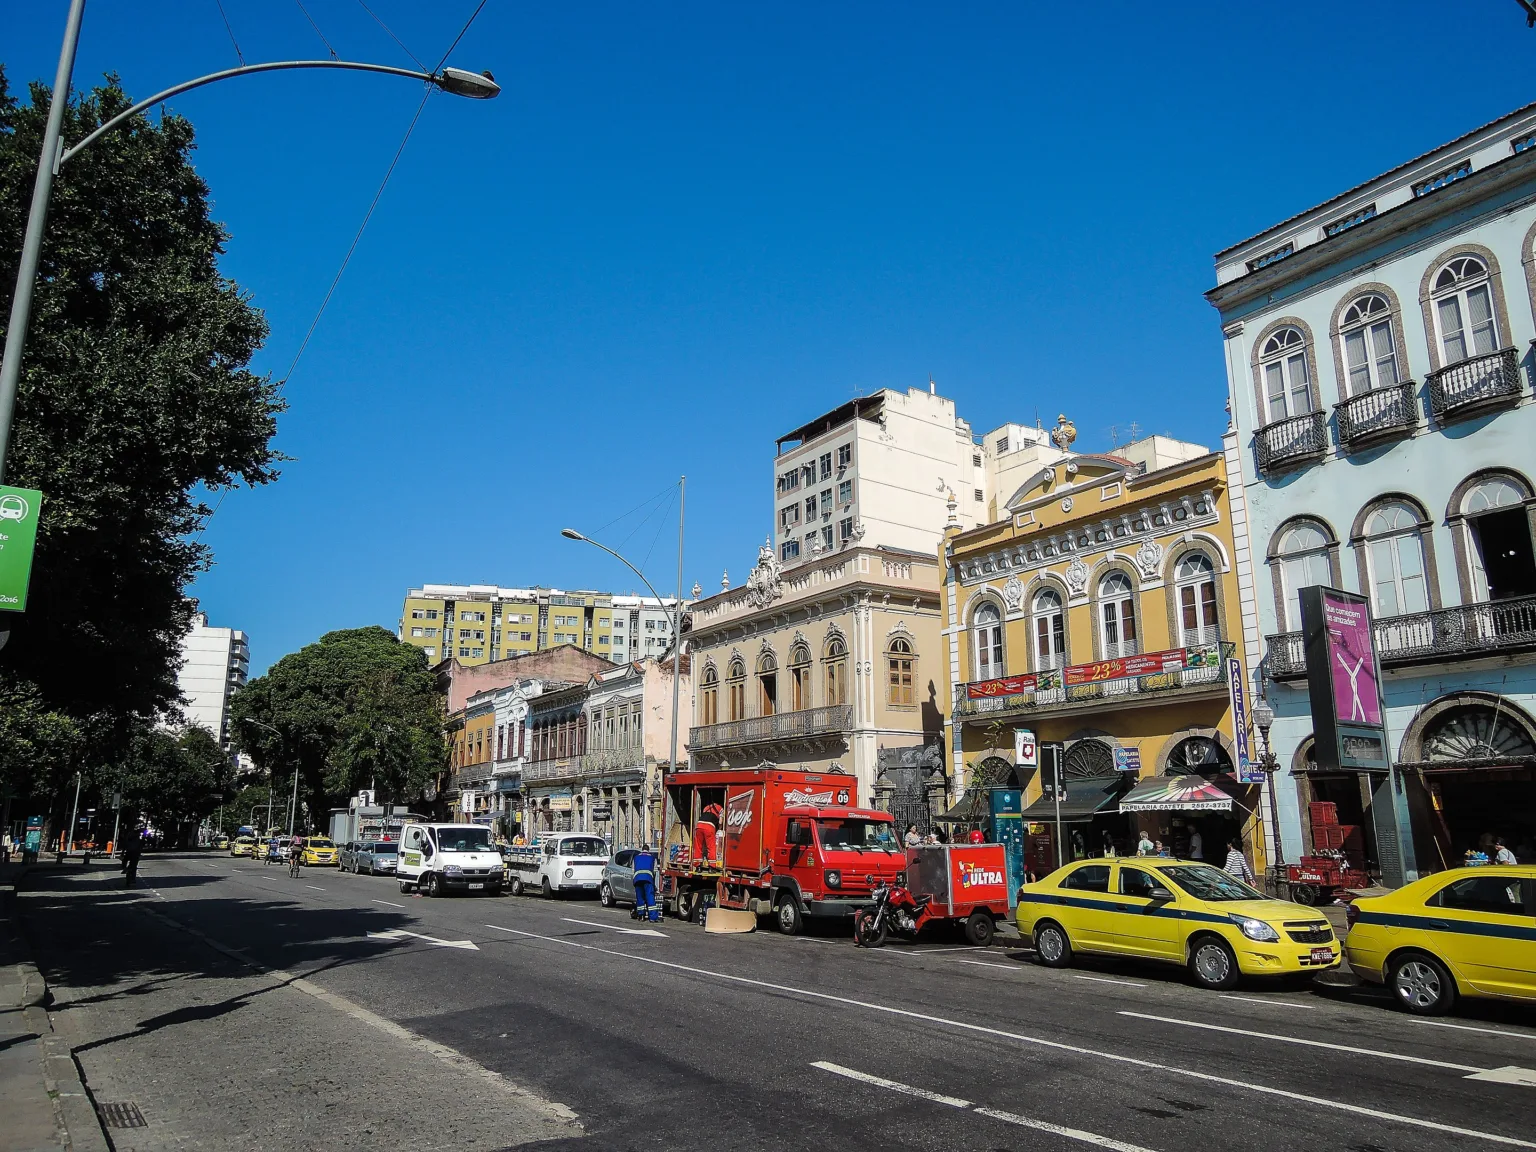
{"x":627,"y":564}
{"x":246,"y":70}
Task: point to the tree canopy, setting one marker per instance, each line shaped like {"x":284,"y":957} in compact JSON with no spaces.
{"x":356,"y":709}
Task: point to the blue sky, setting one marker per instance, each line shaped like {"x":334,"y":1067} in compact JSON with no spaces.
{"x":684,"y":229}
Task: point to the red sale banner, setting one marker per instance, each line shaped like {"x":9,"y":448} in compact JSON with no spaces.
{"x":1171,"y":660}
{"x":1006,"y":686}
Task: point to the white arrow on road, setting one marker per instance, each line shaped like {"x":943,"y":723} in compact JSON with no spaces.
{"x":398,"y":933}
{"x":616,"y":928}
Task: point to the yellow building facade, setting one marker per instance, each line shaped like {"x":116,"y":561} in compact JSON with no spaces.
{"x":1099,"y":618}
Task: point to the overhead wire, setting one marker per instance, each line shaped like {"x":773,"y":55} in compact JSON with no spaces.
{"x":239,"y":55}
{"x":316,"y":27}
{"x":472,"y":17}
{"x":414,"y":58}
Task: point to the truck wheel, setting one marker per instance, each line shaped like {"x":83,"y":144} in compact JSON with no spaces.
{"x":979,"y":928}
{"x":431,"y":885}
{"x":787,"y":916}
{"x":405,"y":887}
{"x":1305,"y":894}
{"x":549,"y":893}
{"x":517,"y":885}
{"x":686,"y":906}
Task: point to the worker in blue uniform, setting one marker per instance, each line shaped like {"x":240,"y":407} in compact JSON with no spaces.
{"x":646,"y":907}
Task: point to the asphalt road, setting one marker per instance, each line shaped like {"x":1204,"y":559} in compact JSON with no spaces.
{"x":690,"y":1040}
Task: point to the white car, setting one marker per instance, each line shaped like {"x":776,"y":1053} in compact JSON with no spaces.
{"x":564,"y":862}
{"x":443,"y":858}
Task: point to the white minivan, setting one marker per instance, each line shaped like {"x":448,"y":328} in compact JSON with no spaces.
{"x":443,"y":858}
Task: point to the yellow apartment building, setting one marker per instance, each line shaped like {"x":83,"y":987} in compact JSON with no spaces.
{"x":1100,"y":615}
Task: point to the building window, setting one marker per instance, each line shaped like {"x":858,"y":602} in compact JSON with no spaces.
{"x":845,"y":529}
{"x":987,"y":636}
{"x":1117,"y":607}
{"x":790,"y":480}
{"x":464,"y":652}
{"x":845,"y":492}
{"x":767,"y":684}
{"x":1370,"y":353}
{"x":418,"y":614}
{"x":810,"y":509}
{"x":476,"y":653}
{"x":808,"y":474}
{"x":837,"y":671}
{"x":789,"y":517}
{"x":603,"y":640}
{"x":799,"y":678}
{"x":736,"y":690}
{"x":1287,"y":381}
{"x":826,"y":537}
{"x":416,"y":631}
{"x":1464,"y":311}
{"x":431,"y":613}
{"x":1394,"y":559}
{"x":1303,"y":557}
{"x":1195,"y":584}
{"x":975,"y":459}
{"x":431,"y":653}
{"x":826,"y":501}
{"x":1499,"y":550}
{"x":902,"y":691}
{"x":1050,"y":630}
{"x":1002,"y":445}
{"x":826,"y":466}
{"x":844,"y":456}
{"x":980,"y":496}
{"x":789,"y":550}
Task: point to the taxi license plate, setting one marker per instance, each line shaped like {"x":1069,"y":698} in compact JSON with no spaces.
{"x":1322,"y":955}
{"x":472,"y":887}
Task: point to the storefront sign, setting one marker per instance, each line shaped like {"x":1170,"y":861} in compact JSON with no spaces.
{"x":19,"y":508}
{"x":1237,"y":694}
{"x":1026,"y":753}
{"x":1128,"y":760}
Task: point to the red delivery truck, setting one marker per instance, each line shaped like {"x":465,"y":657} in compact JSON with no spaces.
{"x":784,"y":842}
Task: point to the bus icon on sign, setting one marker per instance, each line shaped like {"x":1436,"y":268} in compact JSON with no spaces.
{"x":13,"y":507}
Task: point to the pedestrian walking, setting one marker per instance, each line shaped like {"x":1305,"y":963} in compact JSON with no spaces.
{"x":646,"y":907}
{"x":1196,"y":845}
{"x":131,"y":853}
{"x":1237,"y":863}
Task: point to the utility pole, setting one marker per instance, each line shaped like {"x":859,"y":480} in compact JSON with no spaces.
{"x":74,"y":816}
{"x":677,"y":628}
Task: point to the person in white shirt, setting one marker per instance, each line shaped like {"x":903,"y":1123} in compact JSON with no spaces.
{"x":1144,"y":846}
{"x":1501,"y":852}
{"x":1237,"y":863}
{"x":1196,"y":846}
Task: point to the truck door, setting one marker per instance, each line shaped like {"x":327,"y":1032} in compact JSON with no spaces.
{"x":796,"y":849}
{"x":743,"y":847}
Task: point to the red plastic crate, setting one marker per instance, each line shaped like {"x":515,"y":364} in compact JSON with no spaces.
{"x":1344,"y":837}
{"x":1324,"y":813}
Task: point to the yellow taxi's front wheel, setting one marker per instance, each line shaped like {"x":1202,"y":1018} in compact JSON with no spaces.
{"x":1421,"y":983}
{"x":1212,"y":964}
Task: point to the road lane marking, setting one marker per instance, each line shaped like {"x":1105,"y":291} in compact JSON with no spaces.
{"x":399,"y":933}
{"x":1041,"y":1042}
{"x":1469,"y":1028}
{"x":316,"y":888}
{"x":1105,"y":980}
{"x":985,"y":964}
{"x":1509,"y":1074}
{"x":616,"y":928}
{"x":1261,"y":1000}
{"x":1308,"y":1043}
{"x":967,"y":1106}
{"x":391,"y":903}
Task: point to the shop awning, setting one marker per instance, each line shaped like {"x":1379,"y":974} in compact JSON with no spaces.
{"x":1085,"y":799}
{"x":1176,"y":794}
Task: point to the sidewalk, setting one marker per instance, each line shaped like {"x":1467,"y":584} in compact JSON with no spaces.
{"x":46,"y":1106}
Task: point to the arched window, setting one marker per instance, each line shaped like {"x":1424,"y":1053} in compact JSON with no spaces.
{"x":1370,"y":352}
{"x":1498,"y":539}
{"x":1464,"y":311}
{"x":837,"y":671}
{"x":1394,"y":559}
{"x":1302,"y":554}
{"x":1287,"y":380}
{"x":1195,"y":585}
{"x":1476,"y":732}
{"x":709,"y":709}
{"x":987,"y":636}
{"x":901,"y":665}
{"x":799,"y":677}
{"x":736,"y":690}
{"x":1198,"y":755}
{"x":1117,"y":605}
{"x":1050,"y":630}
{"x":767,"y":684}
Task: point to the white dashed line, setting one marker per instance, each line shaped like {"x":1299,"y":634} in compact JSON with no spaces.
{"x":317,"y":889}
{"x":1277,"y":1003}
{"x":1105,"y":980}
{"x":985,"y":964}
{"x":391,"y":903}
{"x":1469,"y":1028}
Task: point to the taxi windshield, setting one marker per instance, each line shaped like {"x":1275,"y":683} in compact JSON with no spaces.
{"x":1206,"y":883}
{"x":858,"y":835}
{"x":319,"y":842}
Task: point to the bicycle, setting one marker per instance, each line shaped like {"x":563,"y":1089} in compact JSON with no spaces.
{"x":293,"y":862}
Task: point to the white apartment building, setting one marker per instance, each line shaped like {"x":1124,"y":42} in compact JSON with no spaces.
{"x":642,"y":627}
{"x":214,"y":662}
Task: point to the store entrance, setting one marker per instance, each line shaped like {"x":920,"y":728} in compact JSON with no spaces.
{"x":1472,"y":807}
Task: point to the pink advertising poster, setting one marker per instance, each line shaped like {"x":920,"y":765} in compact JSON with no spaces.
{"x":1351,"y":663}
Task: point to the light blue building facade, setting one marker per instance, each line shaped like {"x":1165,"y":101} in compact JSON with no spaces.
{"x":1379,"y":354}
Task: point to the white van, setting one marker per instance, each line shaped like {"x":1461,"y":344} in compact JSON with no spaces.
{"x":443,"y":858}
{"x":570,"y":862}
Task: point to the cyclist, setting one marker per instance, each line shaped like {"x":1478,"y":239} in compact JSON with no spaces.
{"x":295,"y":856}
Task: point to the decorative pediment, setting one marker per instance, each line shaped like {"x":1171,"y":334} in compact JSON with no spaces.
{"x":765,"y":581}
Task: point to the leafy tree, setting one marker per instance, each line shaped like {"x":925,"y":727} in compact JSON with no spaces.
{"x":173,"y":780}
{"x":135,"y":402}
{"x":356,"y":709}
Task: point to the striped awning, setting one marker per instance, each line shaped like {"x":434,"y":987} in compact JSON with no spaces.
{"x":1176,"y":794}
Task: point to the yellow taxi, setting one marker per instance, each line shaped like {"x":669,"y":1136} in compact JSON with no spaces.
{"x":1464,"y":932}
{"x":243,"y":846}
{"x":1176,"y":911}
{"x":318,"y":850}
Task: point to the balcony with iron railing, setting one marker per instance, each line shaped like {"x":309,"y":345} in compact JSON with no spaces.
{"x":1475,"y":386}
{"x":1458,"y":633}
{"x":1291,"y":442}
{"x":808,"y":723}
{"x":1149,"y":678}
{"x":1379,"y":415}
{"x":563,"y":768}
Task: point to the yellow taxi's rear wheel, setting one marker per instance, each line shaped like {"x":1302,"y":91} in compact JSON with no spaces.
{"x":1212,"y":964}
{"x":1421,"y":984}
{"x":1052,"y":945}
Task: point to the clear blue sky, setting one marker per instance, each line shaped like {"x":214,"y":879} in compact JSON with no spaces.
{"x":686,"y":228}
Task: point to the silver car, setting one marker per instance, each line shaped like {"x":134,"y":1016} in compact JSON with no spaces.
{"x":375,"y":857}
{"x":618,"y":886}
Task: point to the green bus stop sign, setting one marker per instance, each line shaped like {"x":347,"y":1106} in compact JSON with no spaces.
{"x":19,"y":508}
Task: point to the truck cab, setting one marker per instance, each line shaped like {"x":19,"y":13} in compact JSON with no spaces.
{"x":830,"y":859}
{"x":443,"y":858}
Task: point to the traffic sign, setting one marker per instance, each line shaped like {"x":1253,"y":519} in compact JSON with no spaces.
{"x":19,"y":509}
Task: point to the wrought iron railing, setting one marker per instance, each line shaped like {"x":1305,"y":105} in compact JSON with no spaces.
{"x":782,"y":726}
{"x":1059,"y":695}
{"x":1421,"y":637}
{"x":1474,"y":384}
{"x":1378,"y":414}
{"x":566,"y":768}
{"x":612,"y":760}
{"x":1291,"y":441}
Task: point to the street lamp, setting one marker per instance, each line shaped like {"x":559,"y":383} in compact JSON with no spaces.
{"x":1269,"y":764}
{"x":457,"y":81}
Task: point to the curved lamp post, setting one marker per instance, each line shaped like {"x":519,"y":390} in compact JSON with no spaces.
{"x":1269,"y":764}
{"x":477,"y":86}
{"x":283,"y":744}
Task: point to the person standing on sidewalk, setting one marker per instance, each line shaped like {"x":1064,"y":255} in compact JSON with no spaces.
{"x":131,"y":853}
{"x":1237,"y":863}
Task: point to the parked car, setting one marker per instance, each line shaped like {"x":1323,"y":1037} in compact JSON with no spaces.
{"x":1464,"y":932}
{"x":243,"y":846}
{"x":220,"y":842}
{"x":319,"y":850}
{"x":1176,"y":911}
{"x":346,"y":855}
{"x":375,"y":857}
{"x":618,"y":883}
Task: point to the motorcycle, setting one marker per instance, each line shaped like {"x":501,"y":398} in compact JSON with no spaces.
{"x":895,"y":909}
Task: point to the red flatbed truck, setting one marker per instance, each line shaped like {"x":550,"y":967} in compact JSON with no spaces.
{"x":790,"y":843}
